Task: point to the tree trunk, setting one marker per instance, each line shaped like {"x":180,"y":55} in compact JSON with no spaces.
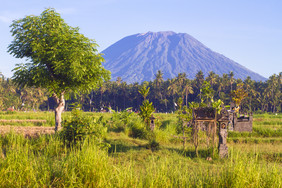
{"x":58,"y":111}
{"x":195,"y":131}
{"x":186,"y":98}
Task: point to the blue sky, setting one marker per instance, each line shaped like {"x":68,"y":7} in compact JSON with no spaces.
{"x":248,"y":32}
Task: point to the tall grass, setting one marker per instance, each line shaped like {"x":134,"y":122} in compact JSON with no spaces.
{"x":46,"y":162}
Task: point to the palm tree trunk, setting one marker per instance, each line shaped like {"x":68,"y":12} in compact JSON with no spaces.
{"x":186,"y":98}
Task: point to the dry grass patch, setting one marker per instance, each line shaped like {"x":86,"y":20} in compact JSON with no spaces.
{"x":27,"y":131}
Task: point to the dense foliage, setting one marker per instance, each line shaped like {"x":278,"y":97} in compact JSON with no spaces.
{"x":257,"y":96}
{"x":60,"y":59}
{"x":80,"y":127}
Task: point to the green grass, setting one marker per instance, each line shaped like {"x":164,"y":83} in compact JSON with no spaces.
{"x":254,"y":159}
{"x":48,"y":116}
{"x":268,"y":115}
{"x":46,"y":162}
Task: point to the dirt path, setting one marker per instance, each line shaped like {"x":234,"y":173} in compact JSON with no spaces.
{"x":27,"y":131}
{"x":23,"y":120}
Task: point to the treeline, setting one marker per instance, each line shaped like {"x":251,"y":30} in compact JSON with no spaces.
{"x":118,"y":95}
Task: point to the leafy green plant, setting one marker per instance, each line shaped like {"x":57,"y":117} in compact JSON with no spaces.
{"x":120,"y":120}
{"x":60,"y":58}
{"x":138,"y":130}
{"x":144,"y":91}
{"x":147,"y":108}
{"x":184,"y":116}
{"x":207,"y":93}
{"x":146,"y":111}
{"x":79,"y":127}
{"x":217,"y":105}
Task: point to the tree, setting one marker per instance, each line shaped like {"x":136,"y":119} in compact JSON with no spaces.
{"x":212,"y":77}
{"x":158,"y":82}
{"x":158,"y":86}
{"x":273,"y":86}
{"x":144,"y":91}
{"x":239,"y":94}
{"x":199,"y":80}
{"x":231,"y":78}
{"x":173,"y":89}
{"x":188,"y":89}
{"x":207,"y":93}
{"x":249,"y":87}
{"x":60,"y":58}
{"x":147,"y":108}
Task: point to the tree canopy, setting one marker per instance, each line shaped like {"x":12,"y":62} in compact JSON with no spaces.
{"x":60,"y":58}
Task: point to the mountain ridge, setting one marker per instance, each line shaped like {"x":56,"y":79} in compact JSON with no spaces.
{"x":138,"y":57}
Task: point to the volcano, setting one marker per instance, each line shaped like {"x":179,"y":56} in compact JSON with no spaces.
{"x":138,"y":57}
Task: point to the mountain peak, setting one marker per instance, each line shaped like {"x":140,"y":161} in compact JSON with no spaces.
{"x":158,"y":33}
{"x":138,"y":57}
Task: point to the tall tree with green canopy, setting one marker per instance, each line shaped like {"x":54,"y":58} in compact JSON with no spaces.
{"x":60,"y":58}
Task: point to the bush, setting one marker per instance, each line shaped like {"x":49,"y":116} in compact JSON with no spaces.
{"x":78,"y":127}
{"x":120,"y":120}
{"x":138,"y":131}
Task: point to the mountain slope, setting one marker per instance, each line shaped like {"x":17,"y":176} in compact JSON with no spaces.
{"x":138,"y":57}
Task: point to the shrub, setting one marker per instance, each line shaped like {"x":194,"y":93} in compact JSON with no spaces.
{"x":78,"y":127}
{"x":138,"y":131}
{"x":120,"y":120}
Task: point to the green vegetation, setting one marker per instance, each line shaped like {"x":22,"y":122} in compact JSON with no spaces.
{"x":79,"y":127}
{"x":147,"y":108}
{"x":127,"y":160}
{"x":123,"y":148}
{"x":61,"y":60}
{"x":259,"y":97}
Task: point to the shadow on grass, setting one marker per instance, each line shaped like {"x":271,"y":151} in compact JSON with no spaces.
{"x":124,"y":146}
{"x":191,"y":153}
{"x":165,"y":124}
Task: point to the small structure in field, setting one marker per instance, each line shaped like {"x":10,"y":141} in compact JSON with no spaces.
{"x":204,"y":117}
{"x":152,"y":122}
{"x":207,"y":119}
{"x":223,"y":120}
{"x":210,"y":116}
{"x":244,"y":123}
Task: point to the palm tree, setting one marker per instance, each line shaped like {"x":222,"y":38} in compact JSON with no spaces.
{"x":212,"y":79}
{"x":173,"y":89}
{"x":274,"y":88}
{"x":158,"y":83}
{"x":231,"y":78}
{"x":188,"y":89}
{"x":124,"y":89}
{"x":199,"y":80}
{"x":249,"y":87}
{"x":102,"y":90}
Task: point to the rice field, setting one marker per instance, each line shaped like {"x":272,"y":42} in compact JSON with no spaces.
{"x":44,"y":161}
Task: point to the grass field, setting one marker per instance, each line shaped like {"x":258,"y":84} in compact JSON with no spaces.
{"x":255,"y":159}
